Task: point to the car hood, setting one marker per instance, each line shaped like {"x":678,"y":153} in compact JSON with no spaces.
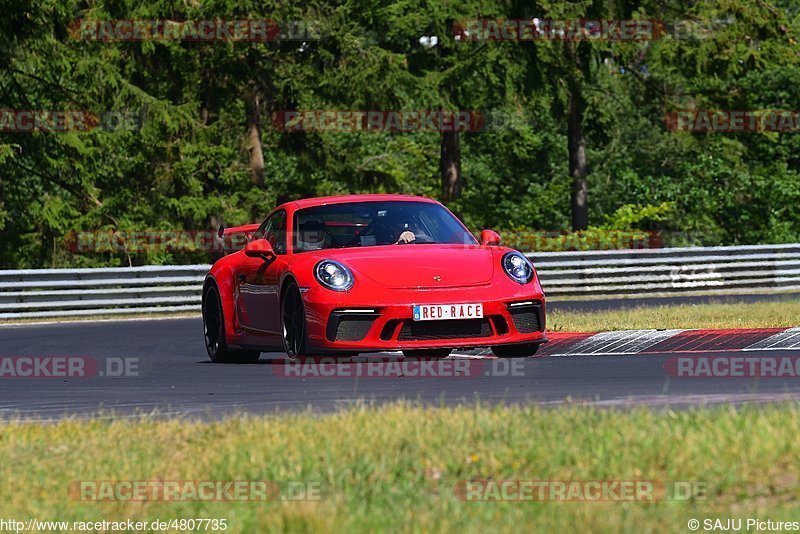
{"x":419,"y":266}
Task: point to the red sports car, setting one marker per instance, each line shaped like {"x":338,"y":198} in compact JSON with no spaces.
{"x":366,"y":273}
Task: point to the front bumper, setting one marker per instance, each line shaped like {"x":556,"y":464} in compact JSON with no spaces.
{"x":363,"y":321}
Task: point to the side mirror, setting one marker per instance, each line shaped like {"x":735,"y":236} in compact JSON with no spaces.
{"x":490,"y":238}
{"x":259,"y":248}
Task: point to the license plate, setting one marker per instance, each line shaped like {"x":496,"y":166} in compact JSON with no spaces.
{"x":442,"y":312}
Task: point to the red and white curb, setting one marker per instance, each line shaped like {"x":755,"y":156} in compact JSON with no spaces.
{"x":786,"y":340}
{"x":661,"y":341}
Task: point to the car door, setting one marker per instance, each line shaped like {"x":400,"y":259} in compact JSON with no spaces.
{"x":258,"y":303}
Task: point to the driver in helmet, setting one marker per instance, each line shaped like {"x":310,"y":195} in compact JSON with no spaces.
{"x":312,"y":236}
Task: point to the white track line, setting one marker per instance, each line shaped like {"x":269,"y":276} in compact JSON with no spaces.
{"x":695,"y":399}
{"x":89,"y":320}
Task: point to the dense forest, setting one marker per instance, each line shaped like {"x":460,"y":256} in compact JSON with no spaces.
{"x":186,"y":134}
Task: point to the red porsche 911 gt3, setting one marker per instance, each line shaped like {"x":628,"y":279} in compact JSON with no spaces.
{"x":366,"y":273}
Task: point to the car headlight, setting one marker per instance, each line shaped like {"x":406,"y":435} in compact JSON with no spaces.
{"x":333,"y":275}
{"x":518,"y":267}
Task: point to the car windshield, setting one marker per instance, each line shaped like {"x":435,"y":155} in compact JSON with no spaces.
{"x":366,"y":224}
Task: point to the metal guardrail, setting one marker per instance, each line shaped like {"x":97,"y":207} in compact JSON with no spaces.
{"x":37,"y":293}
{"x":601,"y":274}
{"x":41,"y":293}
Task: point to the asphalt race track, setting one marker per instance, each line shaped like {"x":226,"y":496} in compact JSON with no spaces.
{"x":171,"y":375}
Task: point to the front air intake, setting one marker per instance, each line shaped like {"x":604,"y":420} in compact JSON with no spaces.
{"x":527,"y":317}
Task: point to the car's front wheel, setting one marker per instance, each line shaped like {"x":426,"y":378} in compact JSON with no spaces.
{"x":293,"y":322}
{"x":515,"y":351}
{"x":214,"y":332}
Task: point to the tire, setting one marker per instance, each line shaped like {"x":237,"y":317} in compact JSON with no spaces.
{"x":427,"y":354}
{"x":214,"y":332}
{"x":515,"y":351}
{"x":293,"y":322}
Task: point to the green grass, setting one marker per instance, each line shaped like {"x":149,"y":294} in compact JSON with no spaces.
{"x":758,"y":315}
{"x":749,"y":315}
{"x":394,"y":468}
